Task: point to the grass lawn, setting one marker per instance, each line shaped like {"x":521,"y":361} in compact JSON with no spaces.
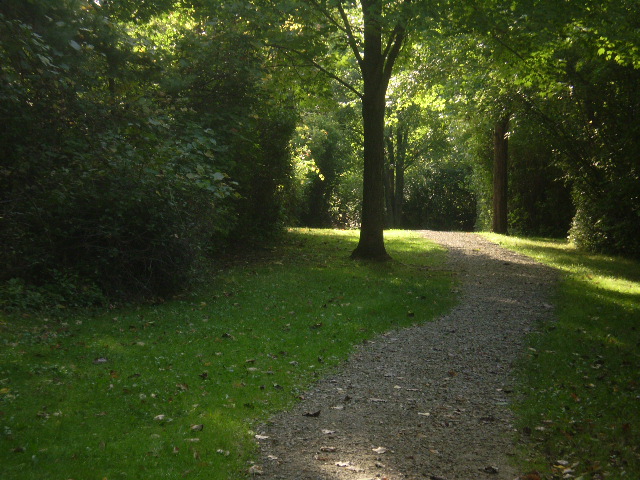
{"x":580,"y":407}
{"x":173,"y":390}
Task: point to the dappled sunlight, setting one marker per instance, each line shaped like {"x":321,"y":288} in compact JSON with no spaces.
{"x":581,"y":371}
{"x":612,"y":274}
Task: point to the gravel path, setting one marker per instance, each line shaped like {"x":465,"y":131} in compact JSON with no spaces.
{"x":429,"y":401}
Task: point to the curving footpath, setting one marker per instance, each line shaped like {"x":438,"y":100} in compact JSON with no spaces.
{"x":427,"y":402}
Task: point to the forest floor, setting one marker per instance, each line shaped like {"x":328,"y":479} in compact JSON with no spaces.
{"x":431,"y":401}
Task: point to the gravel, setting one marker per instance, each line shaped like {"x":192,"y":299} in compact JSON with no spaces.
{"x":426,"y":402}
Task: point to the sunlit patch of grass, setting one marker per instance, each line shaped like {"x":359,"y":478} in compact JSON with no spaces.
{"x":174,"y":390}
{"x":581,"y":377}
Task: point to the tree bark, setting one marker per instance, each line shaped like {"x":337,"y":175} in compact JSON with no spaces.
{"x":389,"y":180}
{"x":376,"y":66}
{"x":371,"y":244}
{"x":500,"y":176}
{"x":401,"y":152}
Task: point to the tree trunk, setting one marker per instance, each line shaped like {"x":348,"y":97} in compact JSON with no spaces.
{"x":400,"y":168}
{"x":371,"y":244}
{"x":376,"y":66}
{"x":389,"y":181}
{"x":500,"y":178}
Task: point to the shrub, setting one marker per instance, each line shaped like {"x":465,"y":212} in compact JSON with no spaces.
{"x":607,"y":219}
{"x":440,"y":197}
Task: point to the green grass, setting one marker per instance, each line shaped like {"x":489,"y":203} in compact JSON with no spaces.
{"x":581,"y":377}
{"x":115,"y":395}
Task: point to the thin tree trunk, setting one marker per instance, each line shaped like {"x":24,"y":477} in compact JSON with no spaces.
{"x":400,"y":168}
{"x":389,"y":181}
{"x":500,"y":176}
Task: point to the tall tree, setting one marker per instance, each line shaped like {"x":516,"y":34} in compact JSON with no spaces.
{"x":376,"y":64}
{"x":500,"y":175}
{"x":372,"y":33}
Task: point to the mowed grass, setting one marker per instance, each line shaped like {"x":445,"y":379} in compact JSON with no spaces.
{"x":580,"y":406}
{"x":174,"y":390}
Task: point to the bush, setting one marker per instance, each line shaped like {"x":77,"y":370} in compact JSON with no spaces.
{"x":130,"y":157}
{"x":607,"y":220}
{"x":129,"y":234}
{"x":440,"y":197}
{"x":540,"y":202}
{"x":263,"y":172}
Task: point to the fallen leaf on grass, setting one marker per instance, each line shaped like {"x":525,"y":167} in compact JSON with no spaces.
{"x":197,"y":428}
{"x":489,"y":469}
{"x":530,"y":476}
{"x":255,"y":470}
{"x":261,"y":437}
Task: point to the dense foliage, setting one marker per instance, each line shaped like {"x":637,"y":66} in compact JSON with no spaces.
{"x":133,"y":150}
{"x":139,"y":139}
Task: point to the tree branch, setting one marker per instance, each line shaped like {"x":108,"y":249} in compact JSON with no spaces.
{"x":392,"y":50}
{"x":317,"y":66}
{"x":323,"y":11}
{"x":350,"y":36}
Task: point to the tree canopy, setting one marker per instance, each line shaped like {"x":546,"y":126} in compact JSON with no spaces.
{"x":141,"y":139}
